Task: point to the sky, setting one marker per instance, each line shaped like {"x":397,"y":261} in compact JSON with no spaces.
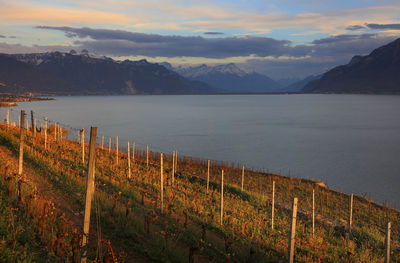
{"x":281,"y":38}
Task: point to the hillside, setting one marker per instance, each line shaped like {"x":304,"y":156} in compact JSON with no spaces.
{"x":229,"y":78}
{"x":76,"y":74}
{"x":376,"y":73}
{"x":45,"y":225}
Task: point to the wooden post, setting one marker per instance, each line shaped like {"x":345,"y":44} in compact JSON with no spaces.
{"x":8,"y":117}
{"x":19,"y":121}
{"x":273,"y":205}
{"x":173,"y":167}
{"x":32,"y":121}
{"x":21,"y":144}
{"x":89,"y":192}
{"x":292,"y":231}
{"x":109,"y":145}
{"x":102,"y":142}
{"x":83,"y":144}
{"x":117,"y":148}
{"x":208,"y":175}
{"x":222,"y":197}
{"x":27,"y":125}
{"x":313,"y":212}
{"x":161,"y":184}
{"x":351,"y":212}
{"x":45,"y":133}
{"x":387,"y":243}
{"x":129,"y":161}
{"x":147,"y":156}
{"x":242,"y":177}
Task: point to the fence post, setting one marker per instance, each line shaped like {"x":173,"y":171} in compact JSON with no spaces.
{"x":102,"y":142}
{"x":129,"y":161}
{"x":387,"y":243}
{"x":89,"y":192}
{"x":176,"y":160}
{"x":313,"y":212}
{"x":55,"y":131}
{"x":273,"y":205}
{"x":208,"y":175}
{"x":147,"y":155}
{"x":292,"y":231}
{"x":83,"y":144}
{"x":161,"y":183}
{"x":109,"y":145}
{"x":45,"y":133}
{"x":351,"y":212}
{"x":117,"y":148}
{"x":222,"y":197}
{"x":173,"y":168}
{"x":32,"y":121}
{"x":21,"y":144}
{"x":8,"y":117}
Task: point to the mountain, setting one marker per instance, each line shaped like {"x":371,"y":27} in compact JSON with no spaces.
{"x":58,"y":73}
{"x":284,"y":82}
{"x":376,"y":73}
{"x":229,"y":78}
{"x":299,"y":85}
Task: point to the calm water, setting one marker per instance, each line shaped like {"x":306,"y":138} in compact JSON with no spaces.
{"x":351,"y":142}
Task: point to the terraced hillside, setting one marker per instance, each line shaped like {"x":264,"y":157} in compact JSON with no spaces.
{"x":44,"y":223}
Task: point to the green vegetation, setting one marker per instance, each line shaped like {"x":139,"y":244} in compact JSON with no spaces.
{"x":126,"y":211}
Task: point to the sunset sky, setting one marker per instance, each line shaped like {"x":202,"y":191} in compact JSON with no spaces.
{"x":285,"y":38}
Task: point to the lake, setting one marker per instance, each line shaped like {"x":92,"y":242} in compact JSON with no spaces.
{"x":351,"y":142}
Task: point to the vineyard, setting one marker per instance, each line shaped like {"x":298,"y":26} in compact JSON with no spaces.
{"x":153,"y":207}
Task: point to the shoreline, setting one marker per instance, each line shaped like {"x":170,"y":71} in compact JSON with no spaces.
{"x":8,"y":100}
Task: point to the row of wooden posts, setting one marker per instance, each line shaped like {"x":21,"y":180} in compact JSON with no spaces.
{"x":90,"y":189}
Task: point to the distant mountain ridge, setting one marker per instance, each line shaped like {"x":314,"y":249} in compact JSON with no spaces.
{"x":57,"y":73}
{"x":376,"y":73}
{"x":229,"y":78}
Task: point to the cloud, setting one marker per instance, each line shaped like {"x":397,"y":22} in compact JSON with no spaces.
{"x":383,"y":26}
{"x":213,"y":33}
{"x":343,"y":38}
{"x":123,"y":43}
{"x":355,"y":27}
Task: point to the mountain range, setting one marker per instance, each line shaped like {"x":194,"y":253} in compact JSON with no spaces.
{"x":58,"y":73}
{"x":229,"y":78}
{"x":376,"y":73}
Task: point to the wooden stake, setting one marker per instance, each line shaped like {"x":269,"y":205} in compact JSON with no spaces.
{"x":45,"y":133}
{"x":173,"y":167}
{"x":387,"y":243}
{"x":351,"y":212}
{"x":161,"y":184}
{"x":102,"y":142}
{"x":89,"y":191}
{"x":32,"y":121}
{"x":147,"y":156}
{"x":176,"y":160}
{"x":242,"y":177}
{"x":313,"y":212}
{"x":208,"y":175}
{"x":8,"y":117}
{"x":109,"y":145}
{"x":83,"y":144}
{"x":292,"y":231}
{"x":21,"y":144}
{"x":222,"y":197}
{"x":273,"y":205}
{"x":129,"y":162}
{"x":117,"y":148}
{"x":55,"y":131}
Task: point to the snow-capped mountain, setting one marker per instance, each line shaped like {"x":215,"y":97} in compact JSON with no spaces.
{"x":228,"y":77}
